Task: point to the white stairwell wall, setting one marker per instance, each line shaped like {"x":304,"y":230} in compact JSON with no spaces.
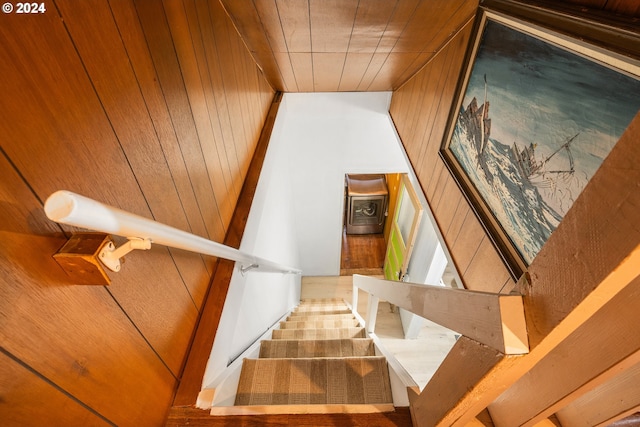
{"x":296,"y":216}
{"x":256,"y":300}
{"x":326,"y":136}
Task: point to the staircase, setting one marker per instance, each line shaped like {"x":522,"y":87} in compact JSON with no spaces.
{"x":319,"y":361}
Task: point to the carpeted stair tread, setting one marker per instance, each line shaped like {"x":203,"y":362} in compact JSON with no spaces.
{"x":319,"y":358}
{"x":312,"y":312}
{"x":321,"y":304}
{"x":318,"y":334}
{"x":356,"y":347}
{"x":340,"y":308}
{"x":330,"y":303}
{"x":321,"y":301}
{"x":319,"y":324}
{"x":307,"y":317}
{"x":358,"y":380}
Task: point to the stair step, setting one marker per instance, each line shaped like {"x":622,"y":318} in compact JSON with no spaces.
{"x":321,"y":303}
{"x":317,"y":324}
{"x":307,"y":301}
{"x":314,"y":311}
{"x":328,"y":309}
{"x":358,"y":380}
{"x":317,"y":348}
{"x":318,"y":334}
{"x":303,"y":409}
{"x":340,"y":305}
{"x":311,"y":317}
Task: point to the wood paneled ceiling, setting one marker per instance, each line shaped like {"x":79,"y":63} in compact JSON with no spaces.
{"x":360,"y":45}
{"x":345,"y":45}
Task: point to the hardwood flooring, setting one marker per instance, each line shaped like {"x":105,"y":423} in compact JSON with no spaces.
{"x":362,"y":254}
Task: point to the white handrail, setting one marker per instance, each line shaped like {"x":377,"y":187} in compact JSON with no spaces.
{"x":69,"y":208}
{"x":495,"y":320}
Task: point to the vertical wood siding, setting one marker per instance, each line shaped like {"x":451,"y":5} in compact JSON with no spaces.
{"x":153,"y":107}
{"x":580,"y":346}
{"x":420,"y":110}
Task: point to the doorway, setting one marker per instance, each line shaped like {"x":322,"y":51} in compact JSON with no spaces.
{"x":365,"y":253}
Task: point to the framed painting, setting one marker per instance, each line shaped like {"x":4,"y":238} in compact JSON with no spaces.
{"x":536,"y":111}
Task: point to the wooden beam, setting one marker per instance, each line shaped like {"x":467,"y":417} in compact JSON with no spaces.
{"x":594,"y":252}
{"x":549,"y":422}
{"x":600,"y":241}
{"x":609,"y":397}
{"x":611,"y":339}
{"x":193,"y":373}
{"x":454,"y":394}
{"x":491,"y":319}
{"x":482,"y":420}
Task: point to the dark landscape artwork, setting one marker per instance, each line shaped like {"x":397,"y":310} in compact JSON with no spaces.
{"x":535,"y":122}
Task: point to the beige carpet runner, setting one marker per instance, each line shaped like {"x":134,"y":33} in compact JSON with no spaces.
{"x":319,"y":356}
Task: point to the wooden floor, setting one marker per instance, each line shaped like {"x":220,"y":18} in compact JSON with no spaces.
{"x":362,"y":254}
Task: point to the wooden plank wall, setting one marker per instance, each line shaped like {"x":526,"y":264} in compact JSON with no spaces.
{"x":153,"y":107}
{"x":419,"y":110}
{"x":595,"y":363}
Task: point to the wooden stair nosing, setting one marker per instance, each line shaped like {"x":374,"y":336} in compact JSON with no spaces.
{"x":298,"y":334}
{"x":303,"y":409}
{"x":346,"y":347}
{"x":322,"y":304}
{"x":322,"y":308}
{"x":319,"y":324}
{"x":321,"y":313}
{"x":303,"y":317}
